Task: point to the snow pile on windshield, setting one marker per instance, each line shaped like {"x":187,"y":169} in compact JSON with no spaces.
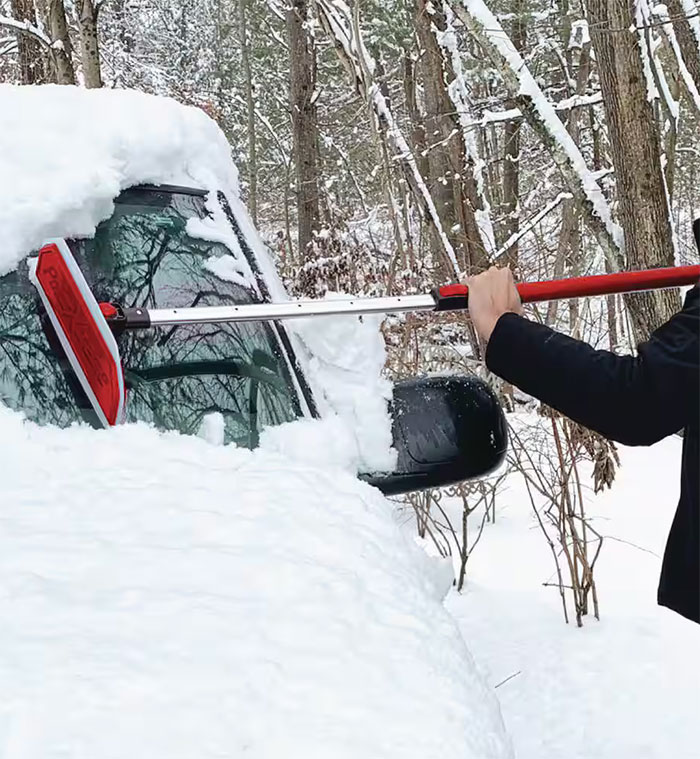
{"x":67,"y":152}
{"x":344,"y":359}
{"x":164,"y":597}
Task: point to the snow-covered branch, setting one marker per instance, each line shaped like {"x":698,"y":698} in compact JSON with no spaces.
{"x":25,"y":27}
{"x":8,"y":45}
{"x":512,"y":114}
{"x":459,"y":95}
{"x":337,"y":18}
{"x":531,"y":224}
{"x":543,"y":119}
{"x":276,"y":9}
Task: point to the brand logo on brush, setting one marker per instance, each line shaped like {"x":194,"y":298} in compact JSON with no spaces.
{"x":78,"y":324}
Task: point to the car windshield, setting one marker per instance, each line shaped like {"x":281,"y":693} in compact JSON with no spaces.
{"x":150,"y":253}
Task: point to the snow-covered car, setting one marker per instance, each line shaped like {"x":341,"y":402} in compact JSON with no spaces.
{"x":185,"y":246}
{"x":244,"y":594}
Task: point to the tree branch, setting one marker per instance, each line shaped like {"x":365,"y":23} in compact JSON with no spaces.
{"x":24,"y":27}
{"x":542,"y":118}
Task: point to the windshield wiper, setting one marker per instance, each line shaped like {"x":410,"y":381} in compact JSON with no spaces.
{"x":203,"y":368}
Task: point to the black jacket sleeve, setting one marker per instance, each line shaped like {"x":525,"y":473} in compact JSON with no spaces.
{"x":635,"y":400}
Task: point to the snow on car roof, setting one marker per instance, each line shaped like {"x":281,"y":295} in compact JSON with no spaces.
{"x":67,"y":152}
{"x":164,"y":597}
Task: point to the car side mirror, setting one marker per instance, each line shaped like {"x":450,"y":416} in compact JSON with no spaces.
{"x":446,"y":430}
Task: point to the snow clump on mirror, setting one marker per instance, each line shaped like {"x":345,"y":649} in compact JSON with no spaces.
{"x":345,"y":357}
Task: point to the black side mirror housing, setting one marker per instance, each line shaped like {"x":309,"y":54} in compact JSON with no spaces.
{"x":446,"y":429}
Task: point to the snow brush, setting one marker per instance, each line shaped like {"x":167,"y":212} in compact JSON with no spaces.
{"x":86,"y":328}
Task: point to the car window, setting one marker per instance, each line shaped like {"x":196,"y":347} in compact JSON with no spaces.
{"x":31,"y":372}
{"x":143,"y":255}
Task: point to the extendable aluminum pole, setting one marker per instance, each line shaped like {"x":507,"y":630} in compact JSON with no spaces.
{"x":140,"y":318}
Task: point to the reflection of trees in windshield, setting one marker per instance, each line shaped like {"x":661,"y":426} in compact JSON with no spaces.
{"x":31,"y":377}
{"x":175,"y":376}
{"x":144,"y":256}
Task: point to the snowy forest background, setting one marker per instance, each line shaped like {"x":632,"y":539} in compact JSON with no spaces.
{"x":387,"y":147}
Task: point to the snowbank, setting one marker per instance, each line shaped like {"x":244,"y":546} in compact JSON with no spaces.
{"x":622,"y":688}
{"x":160,"y":596}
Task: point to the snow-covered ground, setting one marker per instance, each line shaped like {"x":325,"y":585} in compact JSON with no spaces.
{"x":627,"y":687}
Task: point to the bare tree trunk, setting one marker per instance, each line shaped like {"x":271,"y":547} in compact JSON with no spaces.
{"x":89,"y":45}
{"x":250,"y":105}
{"x":63,"y":52}
{"x":613,"y":339}
{"x":32,"y":64}
{"x":302,"y":86}
{"x":439,"y":179}
{"x":418,"y":130}
{"x":567,"y":233}
{"x":569,"y":250}
{"x":492,"y":155}
{"x":511,"y":147}
{"x":450,"y":182}
{"x":635,"y":148}
{"x":670,"y":140}
{"x":575,"y":270}
{"x":686,"y":39}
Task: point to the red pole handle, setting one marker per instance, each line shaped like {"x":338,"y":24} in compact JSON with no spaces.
{"x":451,"y":297}
{"x":606,"y":284}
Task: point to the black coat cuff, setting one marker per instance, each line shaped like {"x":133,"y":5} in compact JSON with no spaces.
{"x":502,"y":354}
